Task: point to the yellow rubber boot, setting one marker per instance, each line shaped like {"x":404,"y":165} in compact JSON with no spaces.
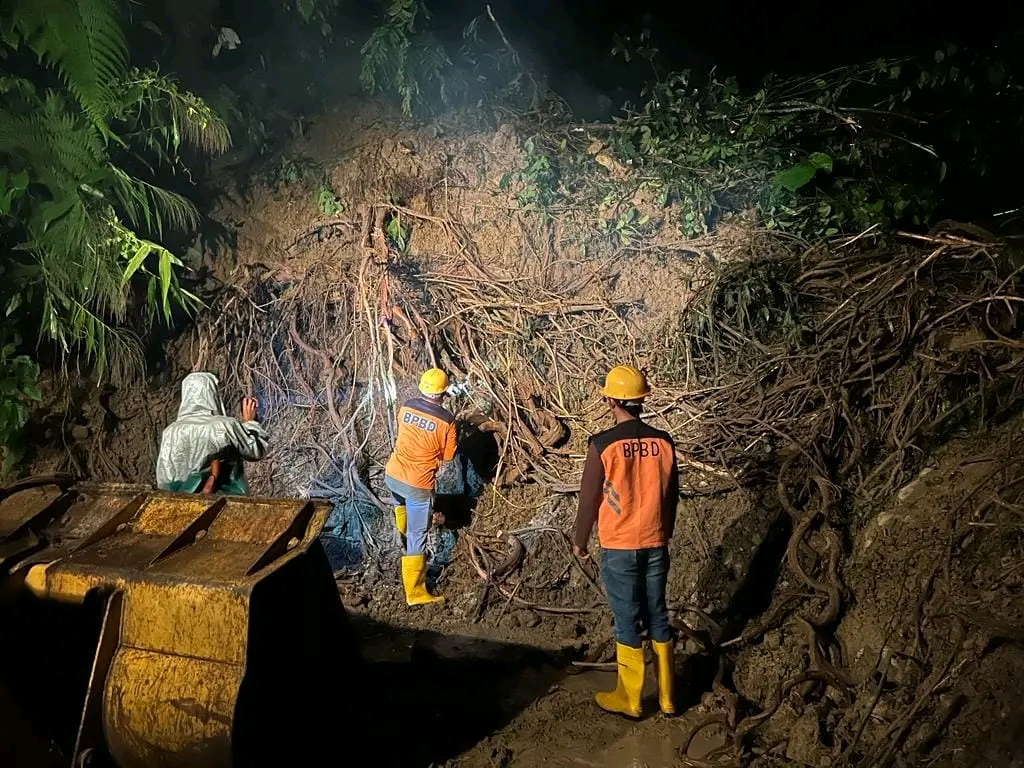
{"x":666,"y":676}
{"x":625,"y":699}
{"x":400,"y":519}
{"x":414,"y":578}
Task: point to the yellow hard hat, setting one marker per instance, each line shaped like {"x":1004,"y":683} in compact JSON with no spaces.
{"x":624,"y":382}
{"x":434,"y":382}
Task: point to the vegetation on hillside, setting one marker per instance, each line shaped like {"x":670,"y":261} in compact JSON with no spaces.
{"x":84,"y":142}
{"x":864,"y":146}
{"x":861,"y":147}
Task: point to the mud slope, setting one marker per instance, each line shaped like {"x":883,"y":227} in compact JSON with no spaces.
{"x":831,"y":608}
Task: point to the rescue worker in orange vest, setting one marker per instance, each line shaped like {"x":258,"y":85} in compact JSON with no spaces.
{"x":630,"y":489}
{"x":426,"y":442}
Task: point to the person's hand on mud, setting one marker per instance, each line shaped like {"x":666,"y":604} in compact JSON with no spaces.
{"x":580,"y":552}
{"x":249,"y":405}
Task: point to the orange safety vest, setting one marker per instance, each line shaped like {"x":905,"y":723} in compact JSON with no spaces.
{"x":426,"y":438}
{"x":638,"y":482}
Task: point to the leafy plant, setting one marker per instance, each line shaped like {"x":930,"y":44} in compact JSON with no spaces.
{"x":292,"y":170}
{"x":87,"y":225}
{"x":538,"y":180}
{"x":397,"y":233}
{"x":845,"y":151}
{"x":19,"y":376}
{"x":315,"y":11}
{"x":404,"y":58}
{"x":626,"y":226}
{"x":397,"y":57}
{"x":252,"y":122}
{"x":801,"y":174}
{"x":328,"y":202}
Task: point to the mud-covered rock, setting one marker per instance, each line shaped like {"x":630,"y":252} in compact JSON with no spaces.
{"x":804,"y":746}
{"x":717,"y":540}
{"x":761,"y":666}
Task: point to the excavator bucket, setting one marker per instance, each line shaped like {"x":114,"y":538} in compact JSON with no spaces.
{"x":215,"y":626}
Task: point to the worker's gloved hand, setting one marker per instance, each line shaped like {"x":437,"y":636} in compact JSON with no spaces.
{"x":249,"y":406}
{"x":457,"y":388}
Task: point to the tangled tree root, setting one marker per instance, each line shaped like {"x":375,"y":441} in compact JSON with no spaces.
{"x":825,"y":373}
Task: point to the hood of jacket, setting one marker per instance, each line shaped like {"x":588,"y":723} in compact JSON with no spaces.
{"x":199,"y":396}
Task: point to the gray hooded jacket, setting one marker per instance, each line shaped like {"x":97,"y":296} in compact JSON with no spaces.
{"x":202,"y":433}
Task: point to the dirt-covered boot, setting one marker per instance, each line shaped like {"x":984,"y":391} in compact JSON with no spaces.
{"x":414,"y":579}
{"x":625,"y":699}
{"x":663,"y":654}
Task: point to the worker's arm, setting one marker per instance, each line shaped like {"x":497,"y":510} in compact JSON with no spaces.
{"x":247,"y":435}
{"x":250,"y":438}
{"x":211,"y":482}
{"x":672,"y":495}
{"x":591,"y":488}
{"x":451,"y":444}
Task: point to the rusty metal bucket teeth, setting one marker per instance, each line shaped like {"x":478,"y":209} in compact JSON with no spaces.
{"x":214,"y":608}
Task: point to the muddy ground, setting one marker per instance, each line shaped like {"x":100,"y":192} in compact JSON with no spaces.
{"x":541,"y":706}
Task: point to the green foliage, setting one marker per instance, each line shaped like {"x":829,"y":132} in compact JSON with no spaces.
{"x":316,"y":11}
{"x":538,"y":180}
{"x":86,"y":226}
{"x":403,"y":58}
{"x":397,"y":234}
{"x":852,"y":149}
{"x":397,"y":59}
{"x":82,"y":41}
{"x":641,"y":48}
{"x":293,"y":170}
{"x":793,"y":150}
{"x":244,"y":119}
{"x":625,"y":227}
{"x":328,"y":201}
{"x":19,"y":376}
{"x":801,"y":174}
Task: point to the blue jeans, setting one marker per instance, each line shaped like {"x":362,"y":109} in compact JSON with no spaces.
{"x":635,"y":582}
{"x":417,"y":502}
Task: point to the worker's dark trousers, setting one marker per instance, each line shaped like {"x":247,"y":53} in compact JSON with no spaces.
{"x":635,"y":581}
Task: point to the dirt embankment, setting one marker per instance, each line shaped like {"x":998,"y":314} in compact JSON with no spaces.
{"x":826,"y":620}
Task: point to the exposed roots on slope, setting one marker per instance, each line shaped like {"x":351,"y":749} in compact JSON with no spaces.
{"x":833,"y":375}
{"x":824,"y":373}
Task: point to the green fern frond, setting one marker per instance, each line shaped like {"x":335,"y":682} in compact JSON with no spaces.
{"x":75,"y":258}
{"x":184,"y":117}
{"x":152,"y":207}
{"x":198,"y":125}
{"x":83,"y":41}
{"x":110,"y":351}
{"x":61,"y":150}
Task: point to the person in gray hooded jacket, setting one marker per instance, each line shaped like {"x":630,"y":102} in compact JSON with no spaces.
{"x":203,"y":450}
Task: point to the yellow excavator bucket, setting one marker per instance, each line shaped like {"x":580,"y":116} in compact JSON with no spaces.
{"x":211,"y":621}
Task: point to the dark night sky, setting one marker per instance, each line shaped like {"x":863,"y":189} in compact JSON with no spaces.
{"x":572,"y":39}
{"x":743,"y":37}
{"x":746,"y":38}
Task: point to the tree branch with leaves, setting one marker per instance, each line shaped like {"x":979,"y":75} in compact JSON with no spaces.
{"x":79,"y":231}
